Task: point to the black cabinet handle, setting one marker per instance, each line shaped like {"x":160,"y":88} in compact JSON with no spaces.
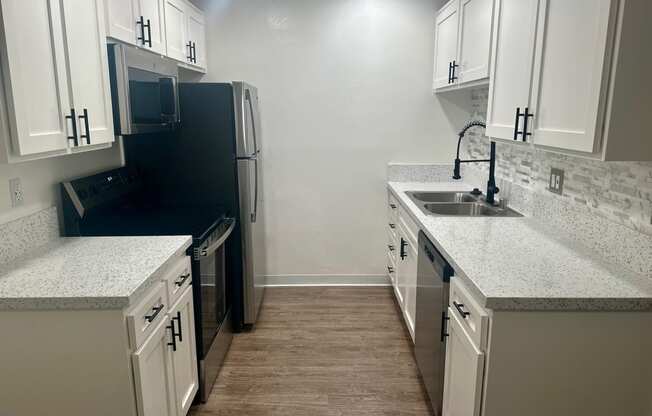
{"x":403,"y":245}
{"x":390,"y":269}
{"x":460,"y":309}
{"x":141,"y":22}
{"x":390,"y":247}
{"x":392,"y":226}
{"x":72,"y":117}
{"x":392,"y":206}
{"x":518,"y":116}
{"x":450,"y":72}
{"x":178,"y":319}
{"x":189,"y":56}
{"x":156,"y":310}
{"x":444,"y":319}
{"x":193,"y":52}
{"x":149,"y":33}
{"x":453,"y":66}
{"x":526,"y":118}
{"x":173,"y":343}
{"x":86,"y":136}
{"x":182,"y":279}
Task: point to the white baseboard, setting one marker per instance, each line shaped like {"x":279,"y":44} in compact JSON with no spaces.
{"x":327,"y":280}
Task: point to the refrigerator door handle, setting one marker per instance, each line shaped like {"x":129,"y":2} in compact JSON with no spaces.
{"x":255,"y":213}
{"x":253,"y":120}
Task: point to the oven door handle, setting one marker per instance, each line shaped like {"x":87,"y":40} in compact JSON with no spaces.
{"x":206,"y":251}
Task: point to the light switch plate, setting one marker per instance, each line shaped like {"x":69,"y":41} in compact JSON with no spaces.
{"x":16,"y":191}
{"x":556,"y":184}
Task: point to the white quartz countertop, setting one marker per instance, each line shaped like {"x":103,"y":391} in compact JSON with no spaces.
{"x":87,"y":272}
{"x":519,"y":264}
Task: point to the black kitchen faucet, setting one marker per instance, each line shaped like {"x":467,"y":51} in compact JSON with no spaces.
{"x":492,"y":189}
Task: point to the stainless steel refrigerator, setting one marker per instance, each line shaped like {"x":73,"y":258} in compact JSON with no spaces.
{"x":215,"y":158}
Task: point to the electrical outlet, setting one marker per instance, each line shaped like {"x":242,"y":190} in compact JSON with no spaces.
{"x":556,"y":184}
{"x":16,"y":191}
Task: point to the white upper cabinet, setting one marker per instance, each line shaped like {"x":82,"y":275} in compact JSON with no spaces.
{"x":474,"y":40}
{"x":446,"y":32}
{"x":176,"y":30}
{"x":137,"y":22}
{"x":51,"y":73}
{"x":35,"y":76}
{"x":462,"y":43}
{"x":185,"y":33}
{"x":570,"y":76}
{"x":514,"y":35}
{"x":88,"y":72}
{"x":197,"y":38}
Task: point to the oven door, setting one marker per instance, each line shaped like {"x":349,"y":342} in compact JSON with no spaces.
{"x":144,"y":91}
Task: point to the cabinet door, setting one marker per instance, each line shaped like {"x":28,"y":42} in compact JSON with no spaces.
{"x":463,"y":374}
{"x":197,"y":35}
{"x":411,"y":284}
{"x":88,"y":70}
{"x":475,"y":39}
{"x":153,"y":375}
{"x":184,"y":359}
{"x":570,"y":73}
{"x":153,"y":10}
{"x":176,"y":37}
{"x":512,"y":57}
{"x":35,"y":76}
{"x":121,"y":20}
{"x":446,"y":31}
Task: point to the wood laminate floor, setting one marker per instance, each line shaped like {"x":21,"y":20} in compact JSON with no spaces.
{"x":321,"y":351}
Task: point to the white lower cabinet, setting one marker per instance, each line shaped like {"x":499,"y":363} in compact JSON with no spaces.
{"x":153,"y":375}
{"x":402,"y":261}
{"x":184,"y":354}
{"x":165,"y":366}
{"x":464,"y":372}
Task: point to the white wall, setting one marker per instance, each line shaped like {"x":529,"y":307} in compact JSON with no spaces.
{"x":40,"y":179}
{"x":345,"y":87}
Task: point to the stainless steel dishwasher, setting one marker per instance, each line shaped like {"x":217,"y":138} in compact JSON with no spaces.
{"x":433,"y":280}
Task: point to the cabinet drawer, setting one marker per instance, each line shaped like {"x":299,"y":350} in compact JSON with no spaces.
{"x":145,"y":316}
{"x":408,"y":223}
{"x":473,"y":317}
{"x":177,"y":279}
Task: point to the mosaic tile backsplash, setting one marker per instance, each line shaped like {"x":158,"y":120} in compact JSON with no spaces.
{"x":618,"y":191}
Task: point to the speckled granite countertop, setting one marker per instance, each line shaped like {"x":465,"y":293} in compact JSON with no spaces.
{"x":519,"y":264}
{"x":87,"y":272}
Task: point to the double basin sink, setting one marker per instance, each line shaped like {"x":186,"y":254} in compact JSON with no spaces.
{"x":458,"y":204}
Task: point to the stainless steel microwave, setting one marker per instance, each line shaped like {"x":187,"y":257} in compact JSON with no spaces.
{"x":143,"y":90}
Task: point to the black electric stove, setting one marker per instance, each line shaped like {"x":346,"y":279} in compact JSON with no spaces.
{"x":121,"y":202}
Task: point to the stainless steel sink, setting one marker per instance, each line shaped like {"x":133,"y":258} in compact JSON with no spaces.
{"x":458,"y":204}
{"x":443,"y":196}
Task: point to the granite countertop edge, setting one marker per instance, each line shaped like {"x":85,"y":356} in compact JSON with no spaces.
{"x":508,"y":302}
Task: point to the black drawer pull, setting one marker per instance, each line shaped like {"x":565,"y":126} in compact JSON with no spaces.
{"x":390,"y":247}
{"x":460,"y":309}
{"x":172,"y":344}
{"x":178,"y":319}
{"x":156,"y":310}
{"x":404,"y":244}
{"x":182,"y":279}
{"x":392,"y":226}
{"x":444,"y":319}
{"x":73,"y":118}
{"x":392,"y":206}
{"x":390,"y":269}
